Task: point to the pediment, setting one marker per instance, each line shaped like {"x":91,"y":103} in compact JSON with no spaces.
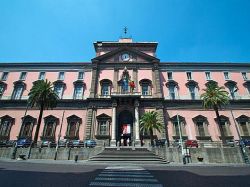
{"x":135,"y":56}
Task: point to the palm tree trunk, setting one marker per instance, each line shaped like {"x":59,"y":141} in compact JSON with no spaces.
{"x":38,"y":124}
{"x":223,"y":139}
{"x":151,"y":137}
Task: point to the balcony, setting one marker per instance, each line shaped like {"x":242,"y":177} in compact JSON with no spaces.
{"x":126,"y":94}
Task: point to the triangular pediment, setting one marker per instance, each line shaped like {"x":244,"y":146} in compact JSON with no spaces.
{"x":135,"y":56}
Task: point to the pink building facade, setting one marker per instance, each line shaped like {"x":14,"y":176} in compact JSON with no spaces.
{"x":105,"y":98}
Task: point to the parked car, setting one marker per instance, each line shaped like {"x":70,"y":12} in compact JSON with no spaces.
{"x":230,"y":143}
{"x":11,"y":143}
{"x":63,"y":143}
{"x":90,"y":143}
{"x":160,"y":142}
{"x":47,"y":143}
{"x":191,"y":143}
{"x":245,"y":142}
{"x":24,"y":142}
{"x":176,"y":143}
{"x":76,"y":143}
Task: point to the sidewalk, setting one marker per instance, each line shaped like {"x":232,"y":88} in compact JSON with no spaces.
{"x":86,"y":162}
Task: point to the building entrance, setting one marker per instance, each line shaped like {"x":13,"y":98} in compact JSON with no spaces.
{"x":125,"y":128}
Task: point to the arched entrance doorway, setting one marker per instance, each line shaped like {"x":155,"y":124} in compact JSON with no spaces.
{"x":125,"y":128}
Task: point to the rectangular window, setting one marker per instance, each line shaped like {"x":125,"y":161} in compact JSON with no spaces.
{"x":201,"y":129}
{"x":176,"y":128}
{"x":208,"y":75}
{"x":170,"y":76}
{"x":105,"y":89}
{"x":78,"y":93}
{"x":244,"y":128}
{"x":80,"y":75}
{"x":41,"y":76}
{"x":226,"y":75}
{"x":145,"y":90}
{"x":4,"y":129}
{"x":4,"y":76}
{"x":23,"y":75}
{"x":59,"y":90}
{"x":17,"y":94}
{"x":103,"y":128}
{"x":224,"y":128}
{"x":61,"y":76}
{"x":172,"y":91}
{"x":189,"y":75}
{"x":192,"y":91}
{"x":244,"y":75}
{"x":1,"y":90}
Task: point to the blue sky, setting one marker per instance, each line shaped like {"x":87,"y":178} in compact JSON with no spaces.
{"x":64,"y":30}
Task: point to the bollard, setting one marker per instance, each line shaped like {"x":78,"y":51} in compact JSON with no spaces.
{"x":184,"y":159}
{"x":76,"y":158}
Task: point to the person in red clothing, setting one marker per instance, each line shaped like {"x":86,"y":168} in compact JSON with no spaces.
{"x":132,"y":86}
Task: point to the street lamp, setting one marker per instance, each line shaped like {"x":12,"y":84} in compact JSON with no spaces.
{"x":181,"y":141}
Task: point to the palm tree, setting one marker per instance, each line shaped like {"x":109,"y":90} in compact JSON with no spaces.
{"x":214,"y":97}
{"x":42,"y":96}
{"x":148,"y":122}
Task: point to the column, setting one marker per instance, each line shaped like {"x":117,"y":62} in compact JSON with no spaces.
{"x":135,"y":78}
{"x":113,"y":133}
{"x":156,"y":80}
{"x":115,"y":79}
{"x":137,"y":130}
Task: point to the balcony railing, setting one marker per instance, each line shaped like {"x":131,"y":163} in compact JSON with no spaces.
{"x":125,"y":94}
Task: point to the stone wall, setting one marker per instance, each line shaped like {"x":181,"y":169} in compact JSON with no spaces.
{"x":202,"y":155}
{"x":49,"y":153}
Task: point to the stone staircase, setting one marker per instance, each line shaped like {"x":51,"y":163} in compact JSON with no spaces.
{"x":127,"y":155}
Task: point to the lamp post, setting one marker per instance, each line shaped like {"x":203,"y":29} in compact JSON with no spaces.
{"x":181,"y":141}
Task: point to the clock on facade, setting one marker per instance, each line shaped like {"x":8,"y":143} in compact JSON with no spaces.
{"x":125,"y":57}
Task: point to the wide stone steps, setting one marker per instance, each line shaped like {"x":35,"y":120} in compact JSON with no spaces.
{"x":127,"y":155}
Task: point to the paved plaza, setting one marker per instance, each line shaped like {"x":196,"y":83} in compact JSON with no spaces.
{"x":49,"y":173}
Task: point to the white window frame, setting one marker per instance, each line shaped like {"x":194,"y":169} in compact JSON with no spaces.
{"x":4,"y":75}
{"x":23,"y":75}
{"x":78,"y":76}
{"x":228,"y":75}
{"x":208,"y":75}
{"x":171,"y":74}
{"x":189,"y":73}
{"x":61,"y":75}
{"x":40,"y":75}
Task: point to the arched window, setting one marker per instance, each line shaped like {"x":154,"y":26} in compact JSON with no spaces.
{"x":3,"y":86}
{"x":201,"y":127}
{"x":50,"y":123}
{"x":19,"y":87}
{"x":179,"y":129}
{"x":59,"y":87}
{"x":105,"y":87}
{"x":193,"y":89}
{"x":103,"y":122}
{"x":5,"y":127}
{"x":232,"y":87}
{"x":244,"y":124}
{"x":28,"y":123}
{"x":172,"y":89}
{"x":73,"y":127}
{"x":146,"y":87}
{"x":79,"y":89}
